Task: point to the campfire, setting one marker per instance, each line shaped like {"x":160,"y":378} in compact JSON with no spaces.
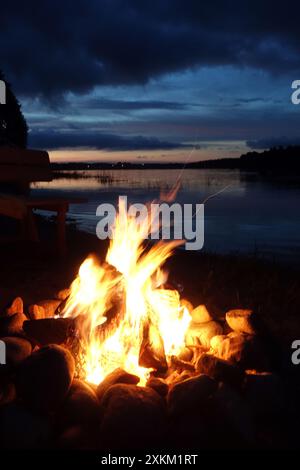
{"x":149,"y":321}
{"x":120,"y":360}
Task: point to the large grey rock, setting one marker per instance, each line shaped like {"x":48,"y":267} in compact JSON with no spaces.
{"x":118,"y":376}
{"x":134,"y":417}
{"x":45,"y":377}
{"x":190,"y":394}
{"x":241,"y":321}
{"x":202,"y":333}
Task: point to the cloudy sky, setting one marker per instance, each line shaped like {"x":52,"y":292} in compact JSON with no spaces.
{"x":159,"y":80}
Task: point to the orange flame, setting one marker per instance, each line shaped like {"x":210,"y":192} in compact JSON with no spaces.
{"x":139,"y":281}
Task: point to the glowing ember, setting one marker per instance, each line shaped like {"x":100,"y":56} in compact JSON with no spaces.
{"x":138,"y":280}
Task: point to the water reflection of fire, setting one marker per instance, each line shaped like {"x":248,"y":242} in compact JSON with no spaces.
{"x":149,"y":315}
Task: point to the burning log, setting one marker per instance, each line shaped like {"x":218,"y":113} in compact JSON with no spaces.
{"x":49,"y":330}
{"x":180,"y":365}
{"x":186,"y":355}
{"x":152,"y":353}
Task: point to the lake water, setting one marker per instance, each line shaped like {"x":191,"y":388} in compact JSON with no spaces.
{"x":251,"y":215}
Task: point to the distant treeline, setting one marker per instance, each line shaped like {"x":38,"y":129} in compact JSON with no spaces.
{"x":277,"y":159}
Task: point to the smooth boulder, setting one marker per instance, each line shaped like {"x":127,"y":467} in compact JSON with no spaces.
{"x":49,"y":306}
{"x":45,"y":377}
{"x":81,"y":405}
{"x":15,"y":307}
{"x":12,"y":324}
{"x":249,"y":351}
{"x":200,"y":314}
{"x":159,"y":385}
{"x":220,"y":370}
{"x":134,"y":418}
{"x":241,"y":321}
{"x":202,"y":333}
{"x":17,"y":349}
{"x":36,"y":312}
{"x":190,"y":394}
{"x":118,"y":376}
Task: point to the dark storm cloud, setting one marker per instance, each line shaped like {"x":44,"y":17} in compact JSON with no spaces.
{"x":53,"y":140}
{"x":132,"y":105}
{"x":54,"y":46}
{"x":283,"y":141}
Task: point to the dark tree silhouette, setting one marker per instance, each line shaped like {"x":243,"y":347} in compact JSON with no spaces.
{"x":13,"y":127}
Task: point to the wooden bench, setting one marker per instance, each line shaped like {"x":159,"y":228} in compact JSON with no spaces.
{"x":58,"y":205}
{"x":18,"y":168}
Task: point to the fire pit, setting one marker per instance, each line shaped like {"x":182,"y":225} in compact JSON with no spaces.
{"x":120,"y":360}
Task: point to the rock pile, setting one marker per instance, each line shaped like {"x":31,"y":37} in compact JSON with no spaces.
{"x":223,"y":391}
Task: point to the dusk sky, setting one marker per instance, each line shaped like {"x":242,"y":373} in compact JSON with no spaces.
{"x":165,"y":80}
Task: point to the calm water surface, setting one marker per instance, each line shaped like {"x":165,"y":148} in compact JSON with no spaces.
{"x":250,"y":216}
